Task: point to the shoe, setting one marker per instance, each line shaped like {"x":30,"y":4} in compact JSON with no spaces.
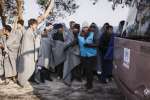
{"x":59,"y":78}
{"x":42,"y":77}
{"x":89,"y":91}
{"x":67,"y":84}
{"x":50,"y":79}
{"x":14,"y":79}
{"x":19,"y":84}
{"x":110,"y":79}
{"x":104,"y":81}
{"x":42,"y":80}
{"x":1,"y":80}
{"x":88,"y":87}
{"x":79,"y":79}
{"x":35,"y":81}
{"x":5,"y":82}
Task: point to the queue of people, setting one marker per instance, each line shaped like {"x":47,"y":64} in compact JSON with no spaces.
{"x":33,"y":54}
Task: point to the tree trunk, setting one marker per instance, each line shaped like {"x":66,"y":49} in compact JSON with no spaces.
{"x":3,"y":18}
{"x":19,"y":16}
{"x":20,"y":8}
{"x":49,"y":8}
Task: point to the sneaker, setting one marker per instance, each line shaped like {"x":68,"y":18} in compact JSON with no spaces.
{"x":49,"y":79}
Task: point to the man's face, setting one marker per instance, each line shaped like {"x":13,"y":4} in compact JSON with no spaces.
{"x":92,"y":28}
{"x":105,"y":26}
{"x":34,"y":27}
{"x":110,"y":31}
{"x":6,"y":32}
{"x":61,"y":30}
{"x":85,"y":29}
{"x":19,"y":25}
{"x":75,"y":31}
{"x":72,"y":24}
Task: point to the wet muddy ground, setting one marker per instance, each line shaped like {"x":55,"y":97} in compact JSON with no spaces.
{"x":56,"y":90}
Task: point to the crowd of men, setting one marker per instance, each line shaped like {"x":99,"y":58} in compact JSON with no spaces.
{"x":33,"y":54}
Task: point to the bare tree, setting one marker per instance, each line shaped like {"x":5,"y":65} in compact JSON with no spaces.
{"x":7,"y":8}
{"x":60,"y":7}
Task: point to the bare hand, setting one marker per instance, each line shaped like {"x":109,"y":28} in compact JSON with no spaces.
{"x":1,"y":46}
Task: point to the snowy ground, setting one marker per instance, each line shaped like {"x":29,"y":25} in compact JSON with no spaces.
{"x":56,"y":90}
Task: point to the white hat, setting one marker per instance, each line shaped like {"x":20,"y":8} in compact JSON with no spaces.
{"x":85,"y":24}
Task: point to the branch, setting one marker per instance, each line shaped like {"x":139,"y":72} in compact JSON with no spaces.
{"x":49,"y":9}
{"x":20,"y":8}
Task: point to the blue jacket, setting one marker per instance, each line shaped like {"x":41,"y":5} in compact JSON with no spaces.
{"x":86,"y":51}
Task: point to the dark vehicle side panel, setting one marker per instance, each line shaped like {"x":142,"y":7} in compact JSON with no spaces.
{"x":134,"y":78}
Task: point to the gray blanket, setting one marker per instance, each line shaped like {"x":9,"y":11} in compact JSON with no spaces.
{"x":72,"y":60}
{"x":1,"y":57}
{"x":44,"y":52}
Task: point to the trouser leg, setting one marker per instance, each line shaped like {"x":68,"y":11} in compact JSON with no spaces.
{"x":59,"y":70}
{"x":107,"y":67}
{"x":104,"y":70}
{"x":77,"y":73}
{"x":89,"y":76}
{"x":89,"y":64}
